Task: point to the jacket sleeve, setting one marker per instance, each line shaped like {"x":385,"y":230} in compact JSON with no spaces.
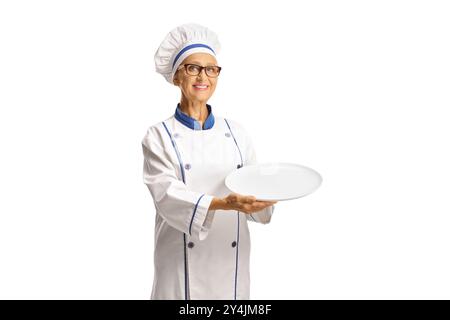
{"x":183,"y":209}
{"x":265,"y":215}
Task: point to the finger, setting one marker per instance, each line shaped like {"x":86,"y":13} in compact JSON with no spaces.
{"x":249,"y":199}
{"x":268,"y":203}
{"x":243,"y":199}
{"x":232,"y":197}
{"x":247,"y":208}
{"x":258,"y":205}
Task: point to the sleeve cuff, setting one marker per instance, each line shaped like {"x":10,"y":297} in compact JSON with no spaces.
{"x":202,"y":217}
{"x":206,"y":225}
{"x":263,"y":216}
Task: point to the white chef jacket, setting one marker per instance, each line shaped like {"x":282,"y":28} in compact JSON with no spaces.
{"x":198,"y":253}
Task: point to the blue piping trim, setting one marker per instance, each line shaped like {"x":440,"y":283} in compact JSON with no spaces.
{"x":252,"y":217}
{"x":185,"y":270}
{"x":240,"y":154}
{"x":237,"y":245}
{"x":184,"y":234}
{"x":193,"y":214}
{"x":195,"y":45}
{"x":237,"y":258}
{"x":176,"y":151}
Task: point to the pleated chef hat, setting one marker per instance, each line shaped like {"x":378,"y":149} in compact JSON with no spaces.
{"x":181,"y":42}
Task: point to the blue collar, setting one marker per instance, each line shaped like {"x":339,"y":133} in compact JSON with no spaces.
{"x":191,"y":122}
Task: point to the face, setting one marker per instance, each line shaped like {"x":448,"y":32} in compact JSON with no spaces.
{"x":187,"y":82}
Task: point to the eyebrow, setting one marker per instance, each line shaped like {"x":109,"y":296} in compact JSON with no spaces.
{"x":196,"y":62}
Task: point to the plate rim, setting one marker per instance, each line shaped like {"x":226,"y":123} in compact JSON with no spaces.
{"x":278,"y":163}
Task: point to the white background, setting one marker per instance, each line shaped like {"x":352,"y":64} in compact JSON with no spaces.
{"x":358,"y":90}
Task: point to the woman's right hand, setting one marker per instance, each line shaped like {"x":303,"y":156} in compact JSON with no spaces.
{"x":242,"y":203}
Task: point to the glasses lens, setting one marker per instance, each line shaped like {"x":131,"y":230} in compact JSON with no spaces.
{"x":212,"y":71}
{"x":192,"y":69}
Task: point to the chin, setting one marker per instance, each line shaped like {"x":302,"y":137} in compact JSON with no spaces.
{"x":200,"y":96}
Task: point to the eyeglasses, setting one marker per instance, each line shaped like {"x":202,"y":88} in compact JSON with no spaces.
{"x":194,"y":70}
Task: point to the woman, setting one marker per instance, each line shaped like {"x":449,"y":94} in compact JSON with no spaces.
{"x":202,"y":242}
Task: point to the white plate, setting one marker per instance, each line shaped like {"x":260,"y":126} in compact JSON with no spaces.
{"x":274,"y":181}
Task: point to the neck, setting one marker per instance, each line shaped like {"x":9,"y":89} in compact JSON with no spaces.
{"x":194,"y":109}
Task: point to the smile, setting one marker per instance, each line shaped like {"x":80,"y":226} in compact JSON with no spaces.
{"x":200,"y":87}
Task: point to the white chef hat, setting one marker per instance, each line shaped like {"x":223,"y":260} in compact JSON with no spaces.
{"x":181,"y":42}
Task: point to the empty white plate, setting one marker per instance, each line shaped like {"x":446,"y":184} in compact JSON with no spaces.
{"x":274,"y":181}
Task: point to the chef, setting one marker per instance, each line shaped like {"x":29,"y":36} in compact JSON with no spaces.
{"x":202,"y":241}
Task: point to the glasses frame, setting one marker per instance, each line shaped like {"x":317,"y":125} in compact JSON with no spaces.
{"x":201,"y":69}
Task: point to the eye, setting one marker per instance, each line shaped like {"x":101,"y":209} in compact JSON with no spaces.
{"x":211,"y":69}
{"x":193,"y":68}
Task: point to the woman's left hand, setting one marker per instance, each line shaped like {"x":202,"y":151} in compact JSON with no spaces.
{"x":243,"y":203}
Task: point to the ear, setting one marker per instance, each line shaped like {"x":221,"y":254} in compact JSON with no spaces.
{"x":176,"y":81}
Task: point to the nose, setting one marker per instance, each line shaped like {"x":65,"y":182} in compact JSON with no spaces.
{"x":202,"y":74}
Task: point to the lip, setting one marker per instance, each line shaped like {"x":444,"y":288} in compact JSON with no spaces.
{"x":200,"y":84}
